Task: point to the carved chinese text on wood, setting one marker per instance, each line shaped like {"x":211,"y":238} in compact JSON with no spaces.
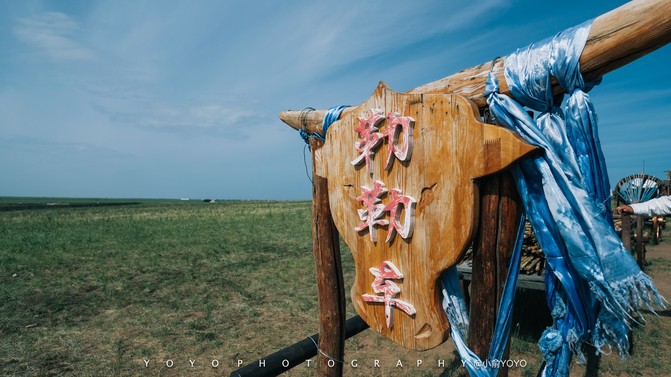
{"x":401,"y":167}
{"x":383,"y":284}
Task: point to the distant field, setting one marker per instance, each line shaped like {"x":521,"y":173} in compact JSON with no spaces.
{"x":98,"y":291}
{"x":94,"y":291}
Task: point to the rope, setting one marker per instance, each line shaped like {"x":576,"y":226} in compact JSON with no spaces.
{"x":303,"y":120}
{"x":331,"y":116}
{"x":323,"y":354}
{"x":305,"y":163}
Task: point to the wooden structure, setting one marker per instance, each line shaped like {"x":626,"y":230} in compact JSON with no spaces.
{"x":616,"y":38}
{"x":631,"y":234}
{"x":532,"y":265}
{"x":637,"y":188}
{"x":396,"y":202}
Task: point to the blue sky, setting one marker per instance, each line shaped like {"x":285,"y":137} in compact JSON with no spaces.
{"x":169,"y":99}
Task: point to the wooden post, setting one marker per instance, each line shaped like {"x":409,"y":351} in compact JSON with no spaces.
{"x":640,"y":247}
{"x":483,"y":280}
{"x":500,"y":212}
{"x":655,"y":227}
{"x":328,"y":268}
{"x":615,"y":39}
{"x":510,"y":210}
{"x":626,"y":231}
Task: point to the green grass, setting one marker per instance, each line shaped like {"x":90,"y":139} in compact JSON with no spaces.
{"x":96,"y":291}
{"x":659,"y":264}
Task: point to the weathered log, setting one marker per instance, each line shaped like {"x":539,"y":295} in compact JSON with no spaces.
{"x":640,"y":246}
{"x":510,"y":210}
{"x":328,"y":269}
{"x":482,"y":316}
{"x":615,"y":39}
{"x":626,"y":231}
{"x":501,"y":208}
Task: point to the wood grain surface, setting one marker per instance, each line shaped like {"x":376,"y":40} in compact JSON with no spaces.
{"x":450,"y":149}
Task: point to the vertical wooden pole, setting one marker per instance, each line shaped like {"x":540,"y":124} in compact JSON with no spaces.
{"x":626,"y":231}
{"x":626,"y":241}
{"x":330,"y":286}
{"x":655,"y":226}
{"x":500,"y":212}
{"x":483,"y":278}
{"x":510,"y":210}
{"x":640,"y":248}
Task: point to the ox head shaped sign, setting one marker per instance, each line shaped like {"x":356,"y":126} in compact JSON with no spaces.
{"x":401,"y":172}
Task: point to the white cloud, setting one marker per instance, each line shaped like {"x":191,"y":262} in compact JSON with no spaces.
{"x":227,"y":120}
{"x":199,"y":117}
{"x":54,"y":34}
{"x":369,"y":29}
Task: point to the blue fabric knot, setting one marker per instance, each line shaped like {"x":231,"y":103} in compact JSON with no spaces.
{"x":332,"y":115}
{"x":305,"y":136}
{"x":492,"y":85}
{"x":559,"y":309}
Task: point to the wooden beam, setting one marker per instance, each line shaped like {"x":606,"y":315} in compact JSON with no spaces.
{"x":615,"y":39}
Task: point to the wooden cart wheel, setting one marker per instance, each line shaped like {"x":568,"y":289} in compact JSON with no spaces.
{"x":637,"y":188}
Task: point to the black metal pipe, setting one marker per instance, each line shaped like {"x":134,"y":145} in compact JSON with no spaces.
{"x":295,"y":354}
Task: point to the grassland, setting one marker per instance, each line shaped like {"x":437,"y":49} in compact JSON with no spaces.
{"x":96,"y":291}
{"x":133,"y":290}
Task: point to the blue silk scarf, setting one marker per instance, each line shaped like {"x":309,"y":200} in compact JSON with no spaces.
{"x":594,"y":286}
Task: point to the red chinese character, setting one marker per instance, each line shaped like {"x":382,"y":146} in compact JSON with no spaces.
{"x":367,"y":130}
{"x":398,"y":126}
{"x":389,"y":289}
{"x":395,"y":207}
{"x":373,"y":209}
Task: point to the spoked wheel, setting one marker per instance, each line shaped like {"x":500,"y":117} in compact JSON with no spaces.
{"x":638,"y":188}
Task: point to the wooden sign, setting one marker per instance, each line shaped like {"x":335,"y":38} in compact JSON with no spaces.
{"x":401,"y":170}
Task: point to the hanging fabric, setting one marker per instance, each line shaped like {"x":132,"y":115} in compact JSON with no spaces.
{"x":457,"y":315}
{"x":594,"y":286}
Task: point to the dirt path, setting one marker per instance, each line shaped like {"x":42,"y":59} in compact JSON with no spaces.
{"x":652,"y":339}
{"x":659,"y":258}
